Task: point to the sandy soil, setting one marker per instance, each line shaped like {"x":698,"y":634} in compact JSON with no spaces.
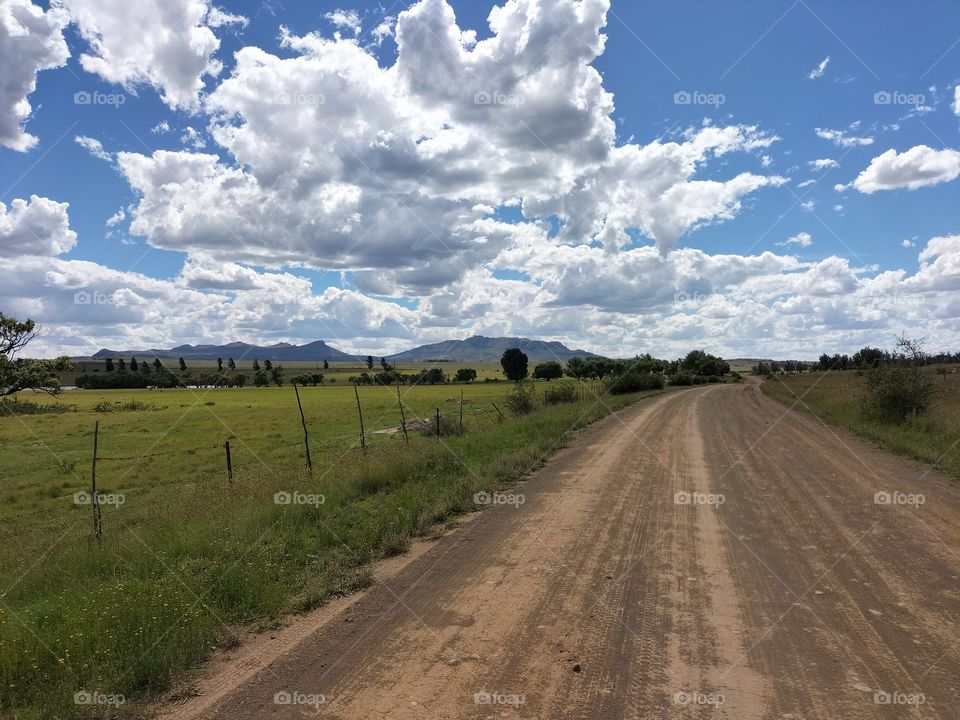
{"x":702,"y":554}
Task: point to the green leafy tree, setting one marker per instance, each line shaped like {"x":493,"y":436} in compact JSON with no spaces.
{"x":326,"y":365}
{"x":183,"y":365}
{"x":109,"y":365}
{"x":260,"y":378}
{"x":157,"y":365}
{"x":24,"y":374}
{"x":550,"y":370}
{"x":465,"y":375}
{"x":231,"y":364}
{"x":219,"y":364}
{"x":134,"y":365}
{"x":121,"y":364}
{"x":369,"y":362}
{"x":268,"y":365}
{"x":276,"y":374}
{"x":514,"y":363}
{"x":256,"y":365}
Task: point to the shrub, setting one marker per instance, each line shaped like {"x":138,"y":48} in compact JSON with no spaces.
{"x":465,"y":375}
{"x":565,"y":392}
{"x":681,"y":378}
{"x":550,"y":370}
{"x":26,"y":407}
{"x":894,"y":393}
{"x":634,"y":382}
{"x":522,"y":399}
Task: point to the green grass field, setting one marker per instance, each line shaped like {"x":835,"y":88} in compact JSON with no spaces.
{"x":188,"y":557}
{"x":833,"y":396}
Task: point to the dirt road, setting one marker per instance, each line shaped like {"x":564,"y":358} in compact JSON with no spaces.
{"x":703,"y":554}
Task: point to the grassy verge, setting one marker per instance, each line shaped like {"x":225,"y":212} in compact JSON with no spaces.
{"x":834,"y":396}
{"x":172,"y":581}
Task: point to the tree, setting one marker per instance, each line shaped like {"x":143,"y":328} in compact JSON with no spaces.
{"x":144,"y":367}
{"x":134,"y":365}
{"x":219,"y":364}
{"x":256,"y":365}
{"x":183,"y":365}
{"x":260,"y":378}
{"x":157,"y":365}
{"x":514,"y":364}
{"x":231,"y":365}
{"x":24,"y":374}
{"x":276,"y":374}
{"x":326,"y":365}
{"x":550,"y":370}
{"x":121,"y":364}
{"x":465,"y":375}
{"x":369,"y":362}
{"x":109,"y":365}
{"x":268,"y":365}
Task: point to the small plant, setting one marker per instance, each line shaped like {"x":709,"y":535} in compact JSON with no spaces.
{"x":522,"y":399}
{"x":899,"y":390}
{"x":565,"y":392}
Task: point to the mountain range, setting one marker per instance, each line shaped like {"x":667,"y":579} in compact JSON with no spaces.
{"x":476,"y":348}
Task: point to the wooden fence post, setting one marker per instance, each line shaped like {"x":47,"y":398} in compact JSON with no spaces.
{"x":461,"y":412}
{"x":94,"y":500}
{"x":226,"y":447}
{"x":306,"y":435}
{"x":438,"y":424}
{"x":403,"y":417}
{"x":363,"y":438}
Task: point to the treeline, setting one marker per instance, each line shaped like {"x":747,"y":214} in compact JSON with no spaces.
{"x":866,"y":358}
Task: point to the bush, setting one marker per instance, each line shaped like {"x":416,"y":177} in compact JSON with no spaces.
{"x":894,"y":393}
{"x":681,"y":378}
{"x":522,"y":399}
{"x":26,"y":407}
{"x":465,"y":375}
{"x":565,"y":392}
{"x":550,"y":370}
{"x":634,"y":382}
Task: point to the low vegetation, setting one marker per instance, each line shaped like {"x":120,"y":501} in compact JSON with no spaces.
{"x":897,"y":400}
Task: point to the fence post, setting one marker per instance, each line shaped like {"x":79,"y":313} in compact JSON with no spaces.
{"x":363,"y":438}
{"x":226,"y":447}
{"x":461,"y":412}
{"x":94,"y":500}
{"x":306,"y":436}
{"x":498,"y":410}
{"x":438,"y":424}
{"x":403,"y":417}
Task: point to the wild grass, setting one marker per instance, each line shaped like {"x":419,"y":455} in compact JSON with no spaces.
{"x":835,"y":397}
{"x":187,"y":558}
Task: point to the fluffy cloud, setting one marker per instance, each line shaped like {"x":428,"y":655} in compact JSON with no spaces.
{"x":918,"y":167}
{"x":345,"y":19}
{"x":819,"y":70}
{"x":31,"y":40}
{"x":956,"y":100}
{"x":823,"y":164}
{"x":167,"y":45}
{"x":843,"y":138}
{"x":802,"y":239}
{"x":39,"y":226}
{"x":406,"y":166}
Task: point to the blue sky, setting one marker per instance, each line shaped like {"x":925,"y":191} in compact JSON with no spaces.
{"x":770,"y":73}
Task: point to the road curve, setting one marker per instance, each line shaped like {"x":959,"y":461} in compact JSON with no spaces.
{"x":702,"y":554}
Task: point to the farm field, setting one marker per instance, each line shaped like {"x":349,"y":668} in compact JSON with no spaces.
{"x":187,"y":556}
{"x":833,"y":396}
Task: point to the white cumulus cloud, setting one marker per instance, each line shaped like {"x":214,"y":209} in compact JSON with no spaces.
{"x":918,"y":167}
{"x":31,"y":40}
{"x":38,"y":226}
